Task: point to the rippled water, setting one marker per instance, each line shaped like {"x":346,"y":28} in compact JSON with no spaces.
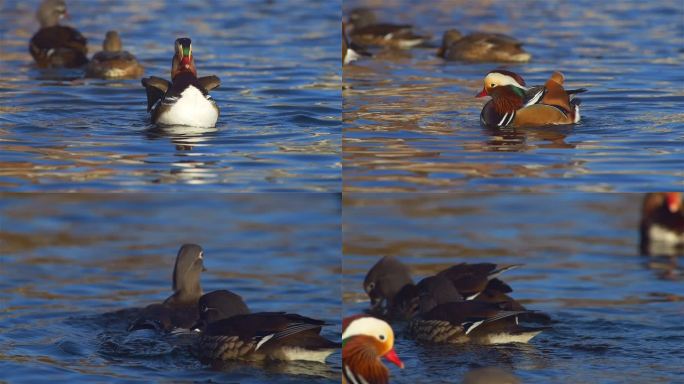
{"x":280,"y":101}
{"x":69,"y":259}
{"x":617,"y":314}
{"x":411,"y":122}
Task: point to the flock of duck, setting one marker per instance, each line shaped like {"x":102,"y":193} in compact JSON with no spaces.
{"x":184,"y":100}
{"x":513,"y":104}
{"x":467,"y":303}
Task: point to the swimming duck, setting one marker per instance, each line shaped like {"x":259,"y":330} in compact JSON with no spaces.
{"x":662,"y":223}
{"x":232,"y":333}
{"x":366,"y":31}
{"x":350,"y":52}
{"x":185,"y":100}
{"x":389,"y":281}
{"x":515,"y":105}
{"x":451,"y":321}
{"x":365,"y":340}
{"x":54,"y":45}
{"x":112,"y":62}
{"x":180,"y":309}
{"x":481,"y":47}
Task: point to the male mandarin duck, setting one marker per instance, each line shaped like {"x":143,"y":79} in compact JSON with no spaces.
{"x":185,"y":100}
{"x":515,"y":105}
{"x":444,"y":318}
{"x":366,"y":31}
{"x":54,"y":45}
{"x":230,"y":332}
{"x":350,"y":52}
{"x":481,"y":47}
{"x":365,"y":340}
{"x":112,"y":62}
{"x":662,"y":223}
{"x":180,"y":309}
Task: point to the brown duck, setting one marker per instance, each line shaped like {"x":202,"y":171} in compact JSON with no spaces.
{"x":481,"y":47}
{"x":113,"y":62}
{"x":54,"y":45}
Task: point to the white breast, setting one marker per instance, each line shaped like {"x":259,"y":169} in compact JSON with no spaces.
{"x":192,"y":108}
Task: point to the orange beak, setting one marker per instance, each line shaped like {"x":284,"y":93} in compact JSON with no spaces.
{"x":674,"y":201}
{"x":391,"y":356}
{"x":482,"y":93}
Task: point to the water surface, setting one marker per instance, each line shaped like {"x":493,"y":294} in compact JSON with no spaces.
{"x":411,"y":121}
{"x":68,"y":261}
{"x":280,"y":101}
{"x":617,"y":315}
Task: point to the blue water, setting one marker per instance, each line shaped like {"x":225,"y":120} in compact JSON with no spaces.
{"x":67,"y":260}
{"x":617,"y":315}
{"x":280,"y":101}
{"x":411,"y":121}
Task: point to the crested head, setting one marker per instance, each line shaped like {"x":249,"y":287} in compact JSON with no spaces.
{"x":183,"y":61}
{"x":186,"y":272}
{"x":377,"y":333}
{"x":501,"y":78}
{"x":51,"y":12}
{"x":112,"y":42}
{"x":451,"y":36}
{"x":385,"y":279}
{"x":222,"y":304}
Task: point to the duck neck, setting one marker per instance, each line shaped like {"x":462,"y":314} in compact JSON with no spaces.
{"x":360,"y":358}
{"x":507,"y":99}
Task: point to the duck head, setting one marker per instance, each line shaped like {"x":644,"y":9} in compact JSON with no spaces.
{"x":183,"y":61}
{"x":500,"y":78}
{"x":673,"y":201}
{"x":219,"y":305}
{"x":51,"y":12}
{"x":112,"y":42}
{"x":450,"y":37}
{"x":186,"y":272}
{"x":384,"y":280}
{"x":365,"y":340}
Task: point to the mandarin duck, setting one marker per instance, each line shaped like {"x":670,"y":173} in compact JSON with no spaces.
{"x":185,"y":100}
{"x":350,"y":52}
{"x":112,"y":62}
{"x":366,"y":31}
{"x":481,"y":47}
{"x":54,"y":45}
{"x":446,"y":320}
{"x":365,"y":340}
{"x":515,"y":105}
{"x":230,"y":332}
{"x":180,"y":309}
{"x":662,"y":223}
{"x":389,"y":282}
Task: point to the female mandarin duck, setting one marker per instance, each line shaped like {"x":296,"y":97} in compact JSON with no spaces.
{"x":112,"y":62}
{"x":515,"y":105}
{"x":54,"y":45}
{"x":185,"y":100}
{"x":365,"y":340}
{"x":481,"y":47}
{"x":365,"y":30}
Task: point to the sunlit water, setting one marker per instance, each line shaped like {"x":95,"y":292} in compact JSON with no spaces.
{"x":279,"y":128}
{"x":617,"y":315}
{"x":411,"y":121}
{"x":67,"y":260}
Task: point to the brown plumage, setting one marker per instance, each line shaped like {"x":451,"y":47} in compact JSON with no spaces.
{"x":493,"y":47}
{"x":113,"y":62}
{"x":662,"y":223}
{"x":366,"y":31}
{"x":54,"y":45}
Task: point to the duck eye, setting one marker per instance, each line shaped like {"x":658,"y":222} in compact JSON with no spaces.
{"x":381,"y":337}
{"x":371,"y":286}
{"x":493,"y":85}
